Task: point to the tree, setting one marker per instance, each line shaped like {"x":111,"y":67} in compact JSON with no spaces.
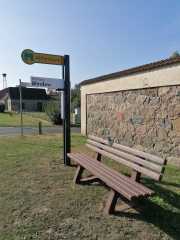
{"x":75,"y":97}
{"x":175,"y":54}
{"x":52,"y":109}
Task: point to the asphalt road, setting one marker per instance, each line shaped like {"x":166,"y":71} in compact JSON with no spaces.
{"x":9,"y":131}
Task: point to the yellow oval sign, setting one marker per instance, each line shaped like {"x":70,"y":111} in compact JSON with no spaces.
{"x":30,"y":57}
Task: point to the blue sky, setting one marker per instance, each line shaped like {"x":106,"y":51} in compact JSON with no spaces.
{"x":101,"y":36}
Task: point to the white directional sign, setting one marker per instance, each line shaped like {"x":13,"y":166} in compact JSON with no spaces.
{"x":50,"y":83}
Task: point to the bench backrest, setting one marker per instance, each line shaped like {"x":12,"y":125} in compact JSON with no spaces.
{"x":145,"y":163}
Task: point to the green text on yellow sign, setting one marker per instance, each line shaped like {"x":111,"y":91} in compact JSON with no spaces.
{"x":30,"y":57}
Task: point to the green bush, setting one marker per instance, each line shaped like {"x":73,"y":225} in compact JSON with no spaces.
{"x":52,"y":110}
{"x":75,"y":97}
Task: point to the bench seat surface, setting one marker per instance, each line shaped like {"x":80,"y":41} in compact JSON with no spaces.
{"x":115,"y":180}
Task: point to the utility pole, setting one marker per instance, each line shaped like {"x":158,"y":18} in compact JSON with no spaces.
{"x":20,"y":106}
{"x":4,"y":80}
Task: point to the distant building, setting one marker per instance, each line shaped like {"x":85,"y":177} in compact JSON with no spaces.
{"x":33,"y":99}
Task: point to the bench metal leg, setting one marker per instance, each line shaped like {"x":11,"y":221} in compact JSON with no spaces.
{"x":125,"y":205}
{"x":88,"y":180}
{"x":78,"y":174}
{"x":85,"y":180}
{"x":111,"y":202}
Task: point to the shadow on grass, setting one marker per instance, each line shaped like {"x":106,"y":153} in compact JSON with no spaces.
{"x":165,"y":218}
{"x":73,"y":165}
{"x":161,"y":211}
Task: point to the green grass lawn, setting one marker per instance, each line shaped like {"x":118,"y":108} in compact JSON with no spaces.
{"x":29,"y":119}
{"x":39,"y":201}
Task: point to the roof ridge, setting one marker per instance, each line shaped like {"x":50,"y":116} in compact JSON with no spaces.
{"x":133,"y":70}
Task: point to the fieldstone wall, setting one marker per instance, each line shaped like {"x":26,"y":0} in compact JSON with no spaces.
{"x":147,"y":119}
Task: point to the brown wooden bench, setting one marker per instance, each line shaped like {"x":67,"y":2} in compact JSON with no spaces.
{"x":122,"y":186}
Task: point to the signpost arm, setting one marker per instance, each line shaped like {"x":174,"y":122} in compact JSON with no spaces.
{"x":67,"y":100}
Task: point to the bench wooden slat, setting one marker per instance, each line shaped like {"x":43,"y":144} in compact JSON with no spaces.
{"x":116,"y":181}
{"x":101,"y":140}
{"x":117,"y":185}
{"x":117,"y":176}
{"x":124,"y":179}
{"x":133,"y":151}
{"x":143,"y":170}
{"x":136,"y":152}
{"x":133,"y":189}
{"x":130,"y":157}
{"x":101,"y":176}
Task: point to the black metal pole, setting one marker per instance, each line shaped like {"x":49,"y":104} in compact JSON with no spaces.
{"x":40,"y":127}
{"x":63,"y":110}
{"x":67,"y":100}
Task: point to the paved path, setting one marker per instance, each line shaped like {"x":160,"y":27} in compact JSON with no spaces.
{"x":8,"y":131}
